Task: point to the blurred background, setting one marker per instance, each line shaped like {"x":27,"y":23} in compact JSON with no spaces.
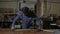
{"x":47,"y":10}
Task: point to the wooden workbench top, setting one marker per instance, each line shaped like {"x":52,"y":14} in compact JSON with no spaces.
{"x":19,"y":31}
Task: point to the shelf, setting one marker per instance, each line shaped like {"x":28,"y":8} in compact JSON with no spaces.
{"x":9,"y":0}
{"x":8,"y":13}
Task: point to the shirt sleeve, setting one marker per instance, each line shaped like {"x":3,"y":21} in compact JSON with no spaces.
{"x":19,"y":15}
{"x":39,"y":23}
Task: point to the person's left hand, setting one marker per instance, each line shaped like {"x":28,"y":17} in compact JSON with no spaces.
{"x":12,"y":28}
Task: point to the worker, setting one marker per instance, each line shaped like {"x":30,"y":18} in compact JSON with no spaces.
{"x":26,"y":16}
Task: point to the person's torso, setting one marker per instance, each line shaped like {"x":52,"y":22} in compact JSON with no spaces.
{"x":25,"y":18}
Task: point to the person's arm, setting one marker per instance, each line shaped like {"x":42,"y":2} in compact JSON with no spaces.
{"x":15,"y":19}
{"x":39,"y":23}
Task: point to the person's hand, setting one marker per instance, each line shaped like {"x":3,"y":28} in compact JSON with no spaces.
{"x":12,"y":28}
{"x":38,"y":30}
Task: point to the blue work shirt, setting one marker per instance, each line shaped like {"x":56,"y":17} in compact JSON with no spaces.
{"x":25,"y":20}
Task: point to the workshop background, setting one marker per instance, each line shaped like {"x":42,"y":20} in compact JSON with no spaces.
{"x":47,"y":10}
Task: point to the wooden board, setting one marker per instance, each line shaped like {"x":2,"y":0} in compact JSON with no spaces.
{"x":23,"y":32}
{"x":6,"y":10}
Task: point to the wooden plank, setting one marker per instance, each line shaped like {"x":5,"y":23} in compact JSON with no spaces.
{"x":8,"y":31}
{"x":6,"y":10}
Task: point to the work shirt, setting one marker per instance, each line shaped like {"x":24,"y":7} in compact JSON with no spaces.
{"x":25,"y":20}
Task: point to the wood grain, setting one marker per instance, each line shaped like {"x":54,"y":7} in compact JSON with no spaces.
{"x":8,"y":31}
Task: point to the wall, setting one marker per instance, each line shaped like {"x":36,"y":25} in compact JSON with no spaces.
{"x":13,"y":5}
{"x":9,"y":0}
{"x":53,"y":6}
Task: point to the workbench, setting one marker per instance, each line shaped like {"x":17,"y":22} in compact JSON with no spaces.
{"x":19,"y":31}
